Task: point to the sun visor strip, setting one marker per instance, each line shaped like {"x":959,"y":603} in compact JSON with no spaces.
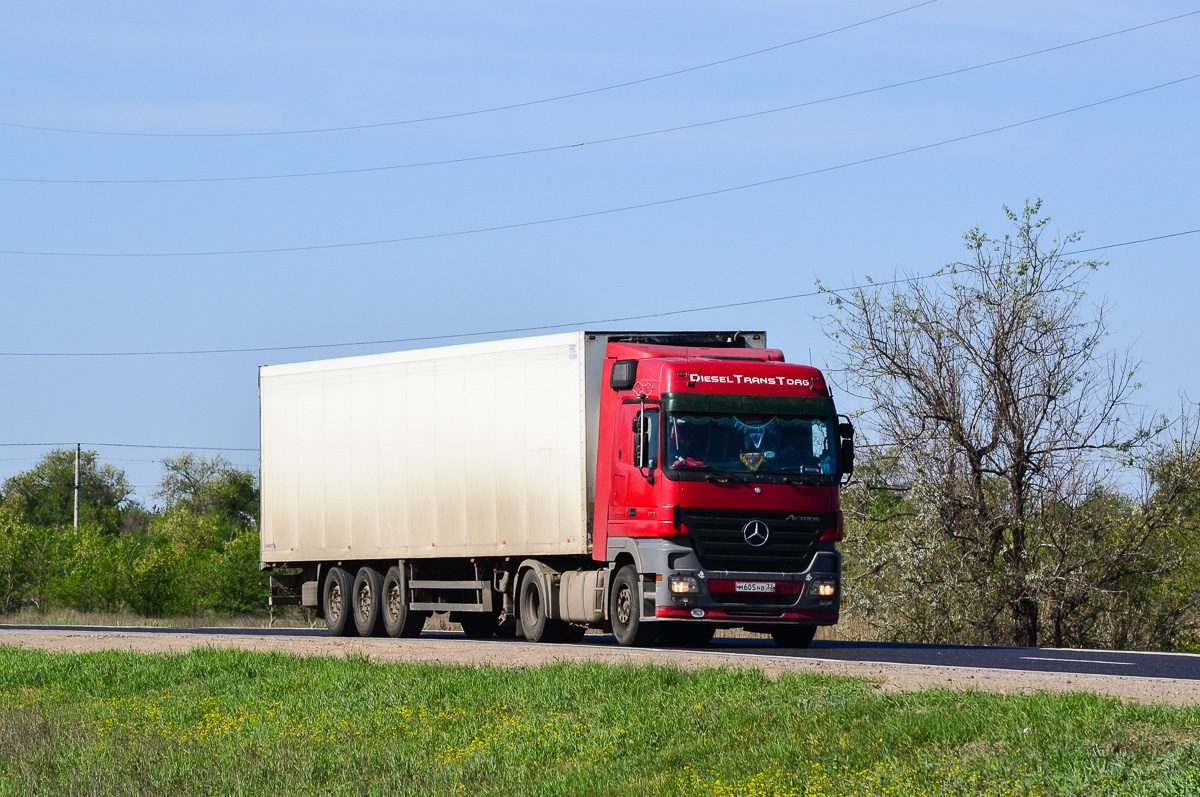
{"x":759,"y":405}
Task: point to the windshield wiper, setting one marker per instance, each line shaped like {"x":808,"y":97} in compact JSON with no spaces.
{"x":807,"y":481}
{"x":711,"y":474}
{"x":723,"y":477}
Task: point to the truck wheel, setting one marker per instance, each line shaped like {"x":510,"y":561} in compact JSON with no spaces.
{"x":398,"y":621}
{"x":626,"y":609}
{"x":536,"y":626}
{"x":368,"y":587}
{"x":336,"y":602}
{"x":793,"y":636}
{"x":685,"y":636}
{"x":476,"y":625}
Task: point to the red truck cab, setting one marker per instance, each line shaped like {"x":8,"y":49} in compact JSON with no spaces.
{"x":717,"y":493}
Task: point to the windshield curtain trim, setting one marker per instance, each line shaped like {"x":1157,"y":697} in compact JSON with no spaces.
{"x":749,"y":404}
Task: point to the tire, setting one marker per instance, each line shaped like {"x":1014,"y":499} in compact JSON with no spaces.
{"x":397,"y":620}
{"x":366,"y":602}
{"x":793,"y":636}
{"x":335,"y":601}
{"x":678,"y":635}
{"x":625,"y":609}
{"x":414,"y":624}
{"x":477,"y":625}
{"x":531,"y":603}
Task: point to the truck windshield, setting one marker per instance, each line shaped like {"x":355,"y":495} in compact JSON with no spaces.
{"x":765,"y":444}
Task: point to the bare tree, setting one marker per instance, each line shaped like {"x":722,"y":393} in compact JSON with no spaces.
{"x":991,"y":393}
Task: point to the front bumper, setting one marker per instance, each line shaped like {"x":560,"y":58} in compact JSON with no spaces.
{"x":733,"y":615}
{"x":791,"y":599}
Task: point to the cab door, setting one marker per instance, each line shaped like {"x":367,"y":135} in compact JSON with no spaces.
{"x":636,"y":471}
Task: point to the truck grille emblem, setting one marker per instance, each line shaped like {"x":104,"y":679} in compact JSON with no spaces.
{"x":756,"y":533}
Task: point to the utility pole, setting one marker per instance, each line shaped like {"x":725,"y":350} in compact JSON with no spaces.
{"x":77,"y":488}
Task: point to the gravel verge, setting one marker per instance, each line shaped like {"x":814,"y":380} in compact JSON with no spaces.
{"x":889,"y":677}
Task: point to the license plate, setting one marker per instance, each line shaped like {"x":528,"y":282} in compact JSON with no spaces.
{"x":753,"y":586}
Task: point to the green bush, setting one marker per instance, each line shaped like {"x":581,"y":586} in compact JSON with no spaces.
{"x":198,"y":555}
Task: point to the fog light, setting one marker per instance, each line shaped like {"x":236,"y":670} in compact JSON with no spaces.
{"x":683,"y":585}
{"x":826,"y":589}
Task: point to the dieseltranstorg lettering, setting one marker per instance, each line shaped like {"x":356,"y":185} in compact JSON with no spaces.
{"x":738,"y":379}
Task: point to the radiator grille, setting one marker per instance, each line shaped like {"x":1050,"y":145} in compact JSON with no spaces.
{"x":721,"y":544}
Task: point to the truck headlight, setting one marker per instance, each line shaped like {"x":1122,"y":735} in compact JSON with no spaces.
{"x":683,"y":585}
{"x":824,"y":589}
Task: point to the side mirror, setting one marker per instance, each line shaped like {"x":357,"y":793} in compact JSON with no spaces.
{"x":624,"y":375}
{"x":644,"y":444}
{"x":845,"y":431}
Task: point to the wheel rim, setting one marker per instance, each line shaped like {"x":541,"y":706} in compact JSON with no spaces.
{"x":393,"y":602}
{"x":334,"y":609}
{"x":624,"y":606}
{"x":364,"y":599}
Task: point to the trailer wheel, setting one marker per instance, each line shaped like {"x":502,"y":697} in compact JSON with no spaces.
{"x":336,"y":602}
{"x":685,"y":636}
{"x":398,"y":621}
{"x":626,"y":609}
{"x":476,"y":625}
{"x":793,"y":636}
{"x":536,"y":625}
{"x":368,"y":587}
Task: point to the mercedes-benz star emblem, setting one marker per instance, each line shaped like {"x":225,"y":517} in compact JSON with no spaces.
{"x":756,"y":533}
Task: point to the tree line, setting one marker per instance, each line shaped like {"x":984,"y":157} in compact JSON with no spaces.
{"x":1010,"y":490}
{"x":195,"y":554}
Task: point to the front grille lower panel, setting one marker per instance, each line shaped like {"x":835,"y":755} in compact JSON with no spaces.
{"x":755,"y":599}
{"x":721,"y":544}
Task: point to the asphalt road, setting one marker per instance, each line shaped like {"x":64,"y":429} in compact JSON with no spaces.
{"x":1183,"y":666}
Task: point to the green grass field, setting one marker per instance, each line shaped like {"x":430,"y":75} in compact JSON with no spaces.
{"x":233,"y":722}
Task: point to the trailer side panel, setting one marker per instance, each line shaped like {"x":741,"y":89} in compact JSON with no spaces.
{"x":475,"y":450}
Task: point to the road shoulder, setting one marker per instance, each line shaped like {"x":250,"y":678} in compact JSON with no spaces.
{"x":889,"y":677}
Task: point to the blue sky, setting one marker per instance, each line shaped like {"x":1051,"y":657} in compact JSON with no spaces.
{"x":1122,"y":171}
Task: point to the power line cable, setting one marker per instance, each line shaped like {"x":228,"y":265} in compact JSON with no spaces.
{"x":592,"y":142}
{"x":452,"y":336}
{"x":542,"y":327}
{"x":127,"y":445}
{"x":1131,"y":243}
{"x":493,"y":109}
{"x":604,"y":212}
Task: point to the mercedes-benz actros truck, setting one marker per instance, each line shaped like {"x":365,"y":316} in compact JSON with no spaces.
{"x":658,"y":485}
